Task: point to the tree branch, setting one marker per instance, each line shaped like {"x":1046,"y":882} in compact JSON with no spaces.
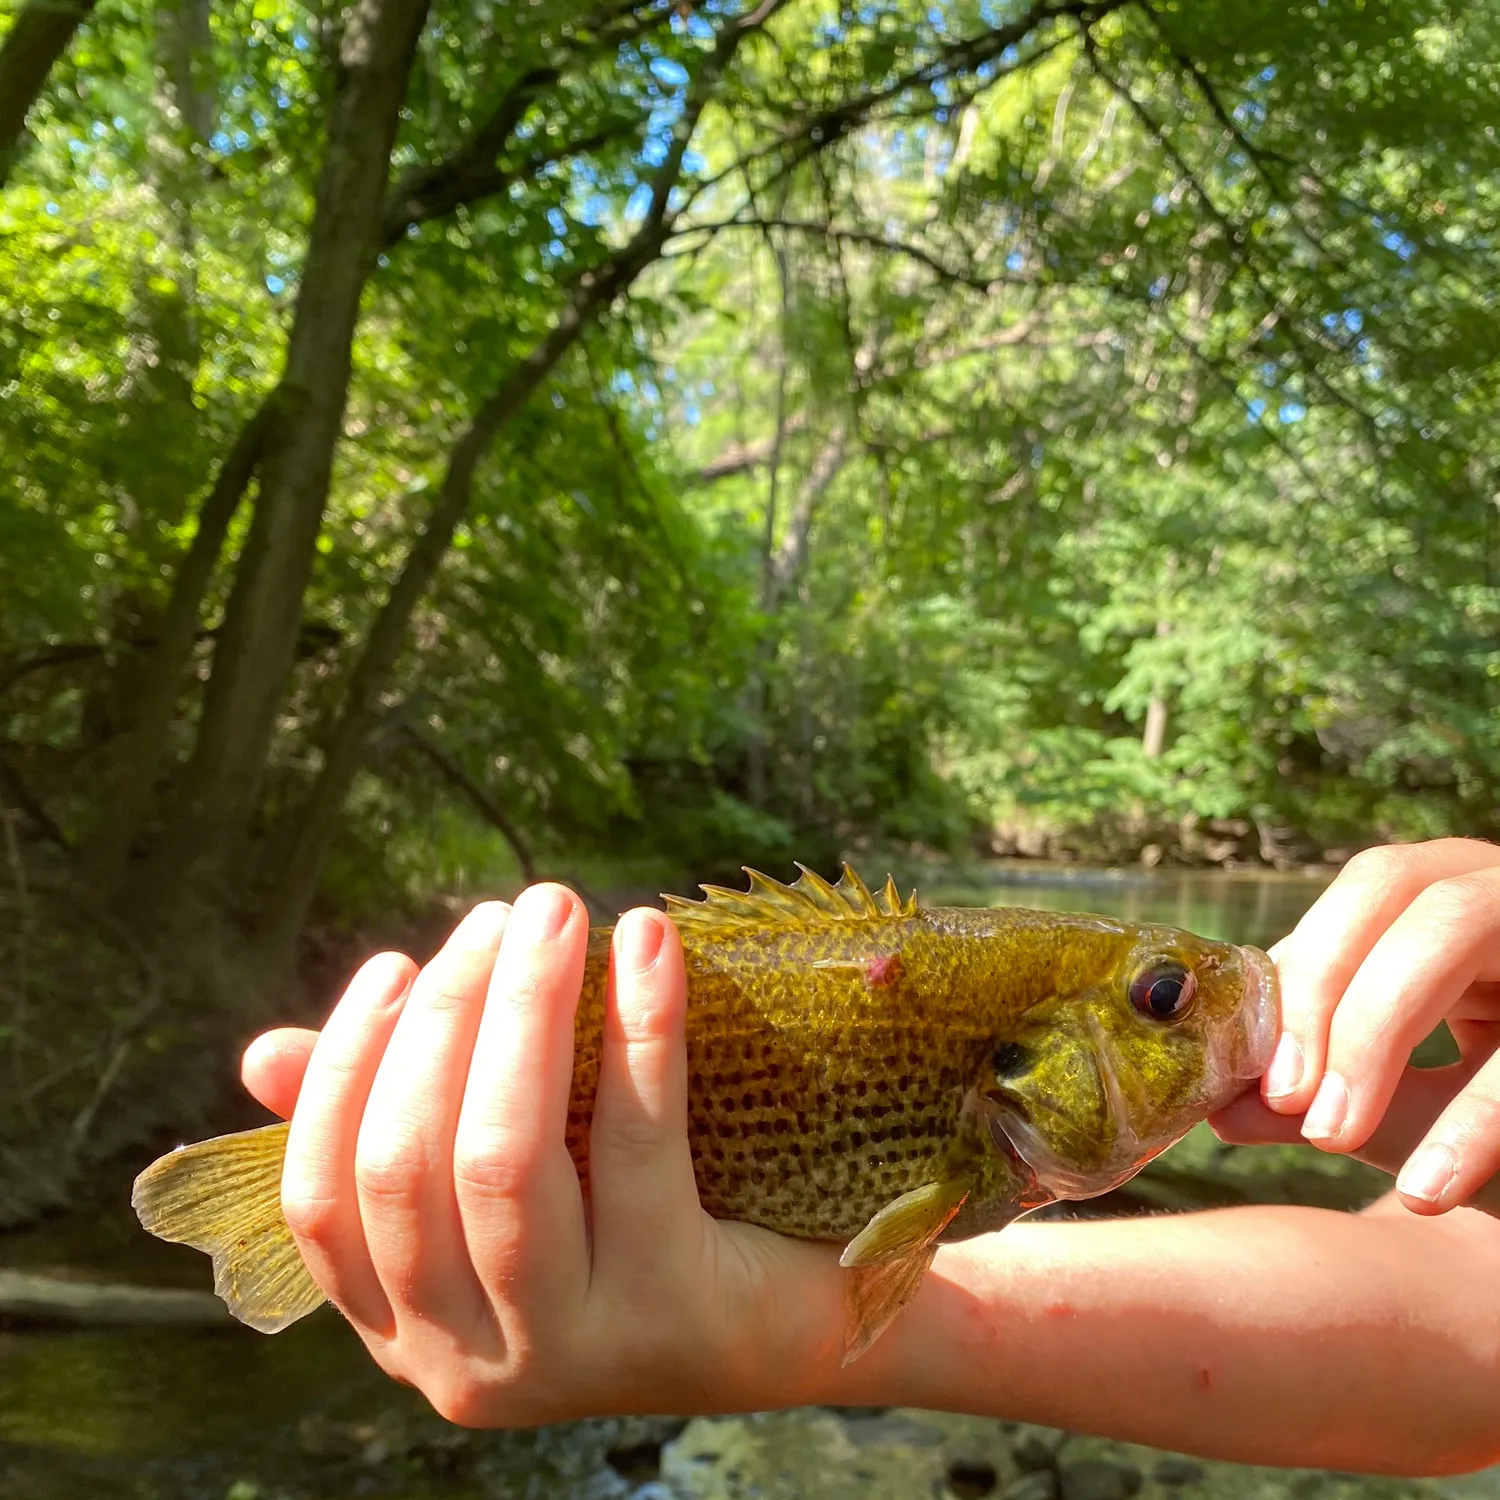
{"x":831,"y":124}
{"x":1234,"y":234}
{"x":472,"y":172}
{"x":456,"y":777}
{"x":438,"y":187}
{"x":18,"y":793}
{"x":451,"y":185}
{"x":947,"y":274}
{"x":742,"y":458}
{"x":1259,"y":157}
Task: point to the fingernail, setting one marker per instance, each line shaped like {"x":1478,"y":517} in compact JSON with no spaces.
{"x":1285,"y":1072}
{"x":543,"y":911}
{"x":1428,"y":1174}
{"x":1325,"y":1116}
{"x":640,"y":942}
{"x":485,"y":921}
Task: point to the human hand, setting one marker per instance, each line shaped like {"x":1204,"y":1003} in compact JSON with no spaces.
{"x":435,"y":1203}
{"x":1405,"y":937}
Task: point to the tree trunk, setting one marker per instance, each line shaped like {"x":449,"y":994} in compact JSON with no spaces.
{"x":126,"y":797}
{"x":345,"y":746}
{"x":40,"y":36}
{"x":1202,"y":292}
{"x":594,"y":291}
{"x":158,"y":414}
{"x":183,"y":47}
{"x":1158,"y":711}
{"x":256,"y":650}
{"x":791,"y":559}
{"x":1154,"y":736}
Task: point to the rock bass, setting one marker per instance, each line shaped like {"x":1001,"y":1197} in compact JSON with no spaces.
{"x":862,"y":1069}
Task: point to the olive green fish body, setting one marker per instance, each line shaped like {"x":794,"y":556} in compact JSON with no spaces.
{"x":860,"y":1070}
{"x":829,"y":1063}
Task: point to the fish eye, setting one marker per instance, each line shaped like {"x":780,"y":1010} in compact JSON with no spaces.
{"x":1164,"y":990}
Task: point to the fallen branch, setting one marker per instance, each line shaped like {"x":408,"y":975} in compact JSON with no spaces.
{"x":28,"y":1298}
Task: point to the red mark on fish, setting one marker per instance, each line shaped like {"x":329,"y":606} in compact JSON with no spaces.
{"x":883,"y":970}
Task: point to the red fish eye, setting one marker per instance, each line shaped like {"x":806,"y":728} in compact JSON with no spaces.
{"x":1164,"y":991}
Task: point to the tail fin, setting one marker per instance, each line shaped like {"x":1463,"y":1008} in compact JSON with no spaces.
{"x":224,"y":1196}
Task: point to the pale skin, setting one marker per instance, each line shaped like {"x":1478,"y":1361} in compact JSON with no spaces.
{"x":434,"y":1202}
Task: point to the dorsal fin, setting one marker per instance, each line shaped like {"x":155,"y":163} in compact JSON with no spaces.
{"x":809,"y":899}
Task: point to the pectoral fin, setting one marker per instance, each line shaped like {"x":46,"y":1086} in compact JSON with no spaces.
{"x":888,"y":1258}
{"x":906,"y":1224}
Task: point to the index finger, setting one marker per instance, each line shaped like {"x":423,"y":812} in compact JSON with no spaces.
{"x":518,"y":1190}
{"x":1415,"y":973}
{"x":1419,"y":1100}
{"x":1324,"y":952}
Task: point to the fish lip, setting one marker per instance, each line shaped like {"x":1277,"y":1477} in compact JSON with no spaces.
{"x":1260,"y":1015}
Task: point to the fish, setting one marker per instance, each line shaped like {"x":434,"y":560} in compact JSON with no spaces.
{"x":862,"y":1069}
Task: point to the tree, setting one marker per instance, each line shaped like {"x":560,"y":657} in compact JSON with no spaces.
{"x":989,"y":373}
{"x":37,"y":38}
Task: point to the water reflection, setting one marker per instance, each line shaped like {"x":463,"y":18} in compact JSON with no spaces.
{"x":1249,"y":907}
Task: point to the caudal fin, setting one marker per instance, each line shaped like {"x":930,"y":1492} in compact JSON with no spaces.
{"x":224,"y":1197}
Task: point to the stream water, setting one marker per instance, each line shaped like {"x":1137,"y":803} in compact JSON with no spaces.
{"x":226,"y":1414}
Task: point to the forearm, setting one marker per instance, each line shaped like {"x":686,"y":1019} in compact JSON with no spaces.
{"x":1268,"y":1335}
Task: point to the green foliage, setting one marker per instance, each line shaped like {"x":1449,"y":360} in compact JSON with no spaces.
{"x":1136,"y":373}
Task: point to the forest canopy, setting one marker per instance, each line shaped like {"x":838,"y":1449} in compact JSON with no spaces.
{"x":740,"y":431}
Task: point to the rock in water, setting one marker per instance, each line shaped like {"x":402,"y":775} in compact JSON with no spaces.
{"x":1099,"y":1479}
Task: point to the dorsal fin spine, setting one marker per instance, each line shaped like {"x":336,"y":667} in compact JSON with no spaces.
{"x":858,"y":891}
{"x":809,"y":899}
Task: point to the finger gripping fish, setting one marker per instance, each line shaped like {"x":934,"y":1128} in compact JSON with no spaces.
{"x":861,"y":1069}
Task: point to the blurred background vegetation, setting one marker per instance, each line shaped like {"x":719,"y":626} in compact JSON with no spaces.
{"x":447,"y":441}
{"x":450,"y":441}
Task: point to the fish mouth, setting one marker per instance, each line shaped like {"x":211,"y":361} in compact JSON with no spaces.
{"x":1258,"y":1018}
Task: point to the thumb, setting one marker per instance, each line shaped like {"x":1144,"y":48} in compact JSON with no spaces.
{"x":273,"y":1067}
